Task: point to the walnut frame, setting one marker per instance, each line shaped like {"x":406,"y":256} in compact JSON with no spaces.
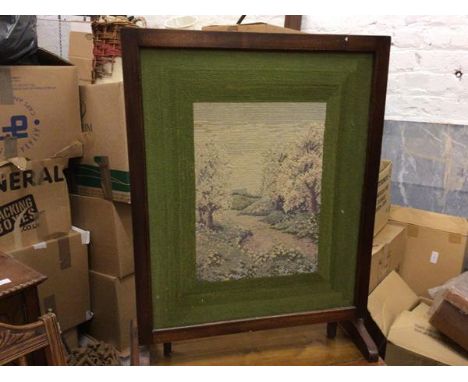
{"x":352,"y":317}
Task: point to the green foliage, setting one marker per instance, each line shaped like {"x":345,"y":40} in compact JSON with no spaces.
{"x":222,"y":257}
{"x":244,"y":192}
{"x":274,"y":217}
{"x":301,"y":224}
{"x":261,"y":207}
{"x":239,"y":202}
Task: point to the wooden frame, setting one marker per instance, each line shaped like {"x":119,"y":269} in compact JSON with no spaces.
{"x":17,"y":341}
{"x":293,"y":22}
{"x":353,"y":316}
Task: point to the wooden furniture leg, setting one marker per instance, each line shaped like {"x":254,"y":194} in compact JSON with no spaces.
{"x":167,"y":346}
{"x":134,"y":346}
{"x":362,"y":339}
{"x":32,"y":313}
{"x":331,"y":329}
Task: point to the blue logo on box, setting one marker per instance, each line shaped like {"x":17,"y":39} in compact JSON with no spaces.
{"x":18,"y":127}
{"x":24,"y":126}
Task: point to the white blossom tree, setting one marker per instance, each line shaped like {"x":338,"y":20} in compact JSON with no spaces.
{"x":295,"y":174}
{"x":212,"y":174}
{"x":270,"y":188}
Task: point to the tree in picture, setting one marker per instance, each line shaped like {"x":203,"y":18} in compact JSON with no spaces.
{"x":258,"y":182}
{"x":211,"y":183}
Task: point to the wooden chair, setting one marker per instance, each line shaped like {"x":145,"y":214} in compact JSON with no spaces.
{"x":17,"y":341}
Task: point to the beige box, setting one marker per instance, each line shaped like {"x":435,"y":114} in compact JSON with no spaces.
{"x":252,"y":27}
{"x":403,"y":318}
{"x":39,"y":108}
{"x":80,"y":54}
{"x":435,"y":247}
{"x":383,"y":201}
{"x":114,"y":307}
{"x":71,"y":338}
{"x":110,"y":224}
{"x":103,"y":171}
{"x":64,"y":260}
{"x":388,"y":249}
{"x":34,"y":201}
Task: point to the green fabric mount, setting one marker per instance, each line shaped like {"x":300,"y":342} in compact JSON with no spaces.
{"x":172,"y":80}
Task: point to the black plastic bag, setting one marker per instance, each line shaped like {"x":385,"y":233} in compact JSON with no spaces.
{"x":18,"y":40}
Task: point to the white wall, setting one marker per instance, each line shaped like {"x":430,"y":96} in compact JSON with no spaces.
{"x":426,"y":53}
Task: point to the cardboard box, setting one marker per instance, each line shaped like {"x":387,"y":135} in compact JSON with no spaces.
{"x":64,"y":260}
{"x":34,"y":202}
{"x":387,"y":252}
{"x":39,"y":107}
{"x":449,"y":313}
{"x":383,"y":201}
{"x":80,"y":54}
{"x":104,"y":170}
{"x":110,"y":224}
{"x":391,"y":297}
{"x":403,"y":318}
{"x":70,"y":338}
{"x":435,"y":247}
{"x":252,"y":27}
{"x":414,"y":341}
{"x":114,"y":307}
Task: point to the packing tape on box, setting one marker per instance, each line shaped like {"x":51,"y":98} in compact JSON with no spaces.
{"x":10,"y":145}
{"x":6,"y":88}
{"x":64,"y":252}
{"x":455,"y":238}
{"x":104,"y":172}
{"x":64,"y":248}
{"x":413,"y":230}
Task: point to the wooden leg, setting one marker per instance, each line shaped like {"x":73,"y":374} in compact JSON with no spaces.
{"x":331,"y":329}
{"x":167,"y":346}
{"x":153,"y":354}
{"x":134,"y":346}
{"x":361,"y":337}
{"x":32,"y":312}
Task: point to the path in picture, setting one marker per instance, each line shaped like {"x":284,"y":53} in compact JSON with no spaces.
{"x":258,"y":181}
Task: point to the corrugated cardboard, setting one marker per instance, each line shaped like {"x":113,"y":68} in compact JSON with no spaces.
{"x":70,"y":338}
{"x":252,"y":27}
{"x":435,"y":247}
{"x":64,"y":260}
{"x":382,"y":206}
{"x":403,"y":318}
{"x":414,"y":341}
{"x":389,"y":299}
{"x":110,"y":224}
{"x":80,"y":54}
{"x":388,"y":249}
{"x":34,"y":202}
{"x":103,"y":171}
{"x":113,"y":305}
{"x":449,"y":313}
{"x":39,"y":107}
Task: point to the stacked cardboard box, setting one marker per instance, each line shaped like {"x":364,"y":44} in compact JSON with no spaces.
{"x":382,"y":206}
{"x":389,"y":237}
{"x":80,"y":54}
{"x":103,"y":169}
{"x":111,"y":266}
{"x":434,"y":250}
{"x":101,"y":202}
{"x":40,"y":131}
